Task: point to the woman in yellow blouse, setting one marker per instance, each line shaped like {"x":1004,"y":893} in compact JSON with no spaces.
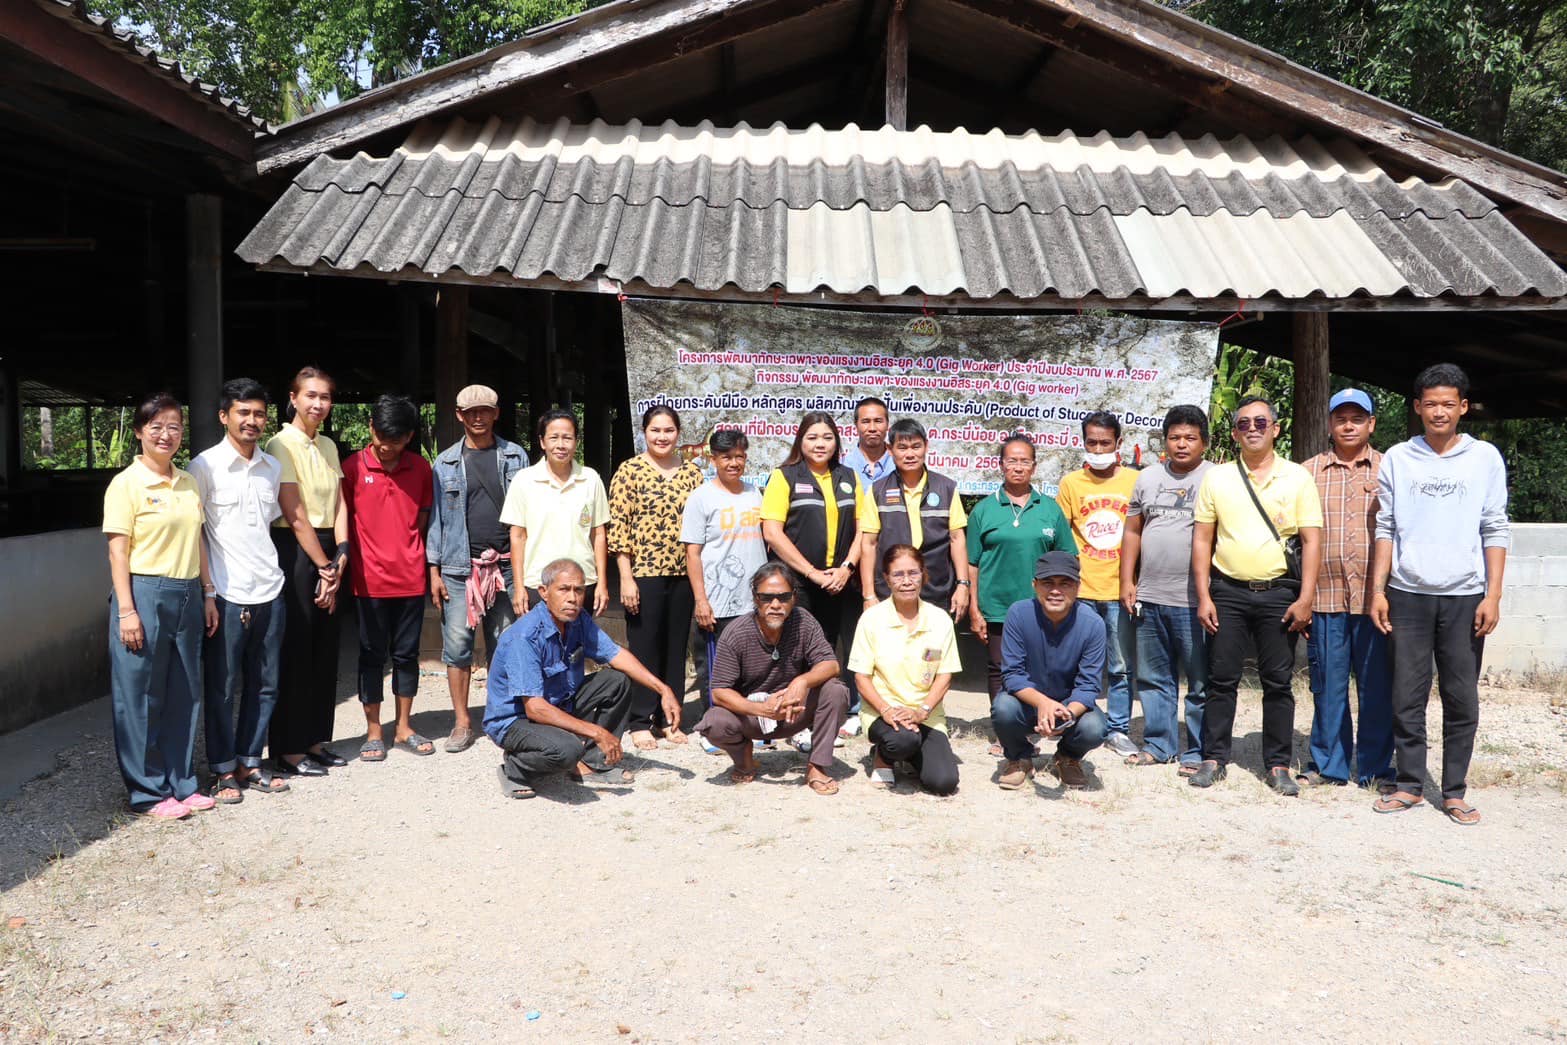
{"x":162,"y":603}
{"x":647,"y":503}
{"x":312,"y":549}
{"x":905,"y":654}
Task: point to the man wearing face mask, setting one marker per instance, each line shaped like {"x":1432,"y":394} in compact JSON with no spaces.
{"x":1094,"y":500}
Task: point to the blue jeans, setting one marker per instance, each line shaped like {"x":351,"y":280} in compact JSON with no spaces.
{"x":1014,"y":721}
{"x":1171,"y":643}
{"x":157,"y":690}
{"x":1342,"y":644}
{"x":242,"y":658}
{"x":1120,"y":661}
{"x":456,"y":636}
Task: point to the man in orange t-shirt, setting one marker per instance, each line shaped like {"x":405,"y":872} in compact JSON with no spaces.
{"x":1094,"y":500}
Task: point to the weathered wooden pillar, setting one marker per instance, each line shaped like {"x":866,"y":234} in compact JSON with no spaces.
{"x":898,"y":68}
{"x":10,"y":429}
{"x":1309,"y":421}
{"x":451,"y":360}
{"x":203,"y":317}
{"x":539,"y":308}
{"x":409,"y":354}
{"x":596,"y":395}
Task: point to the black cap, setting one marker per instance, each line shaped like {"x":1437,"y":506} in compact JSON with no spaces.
{"x":1057,"y":564}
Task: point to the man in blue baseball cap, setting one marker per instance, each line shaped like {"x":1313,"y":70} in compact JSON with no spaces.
{"x":1344,"y":641}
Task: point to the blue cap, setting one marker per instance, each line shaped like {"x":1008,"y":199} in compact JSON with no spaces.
{"x":1352,"y":395}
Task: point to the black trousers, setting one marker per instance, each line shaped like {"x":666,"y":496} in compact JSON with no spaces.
{"x":658,"y":634}
{"x":307,"y":683}
{"x":927,"y":750}
{"x":993,"y":629}
{"x":837,"y":614}
{"x":533,"y":749}
{"x":389,"y":626}
{"x":1251,"y":618}
{"x":1439,"y":627}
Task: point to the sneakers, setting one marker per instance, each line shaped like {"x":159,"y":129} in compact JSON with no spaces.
{"x":1014,"y":775}
{"x":1121,"y":744}
{"x":1280,"y":781}
{"x":850,"y":727}
{"x":802,"y":741}
{"x":1070,"y":771}
{"x":168,"y":809}
{"x":1208,"y":774}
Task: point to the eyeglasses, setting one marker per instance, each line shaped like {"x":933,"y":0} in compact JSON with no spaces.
{"x":164,"y":429}
{"x":905,"y":575}
{"x":767,"y":598}
{"x":1253,"y":424}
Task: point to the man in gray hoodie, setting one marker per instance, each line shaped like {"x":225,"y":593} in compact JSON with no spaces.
{"x":1441,"y":546}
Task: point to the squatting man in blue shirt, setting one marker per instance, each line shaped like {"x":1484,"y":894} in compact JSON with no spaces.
{"x":542,"y":710}
{"x":1052,"y":657}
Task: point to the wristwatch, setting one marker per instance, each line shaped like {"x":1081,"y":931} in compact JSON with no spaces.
{"x":966,"y":584}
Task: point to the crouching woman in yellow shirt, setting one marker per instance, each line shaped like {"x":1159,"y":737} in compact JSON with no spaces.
{"x":905,"y":654}
{"x":162,"y":602}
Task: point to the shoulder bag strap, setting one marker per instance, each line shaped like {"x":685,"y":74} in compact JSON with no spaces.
{"x":1246,"y":480}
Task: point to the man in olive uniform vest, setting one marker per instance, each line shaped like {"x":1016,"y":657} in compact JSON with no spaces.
{"x":913,"y":505}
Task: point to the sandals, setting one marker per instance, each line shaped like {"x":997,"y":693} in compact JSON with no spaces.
{"x":226,"y":782}
{"x":264,"y":782}
{"x":1397,"y":802}
{"x":1188,"y":769}
{"x":823,"y":787}
{"x":742,"y":776}
{"x":372,"y":751}
{"x":511,"y":788}
{"x":417,"y":745}
{"x":1143,"y":758}
{"x":1461,"y":812}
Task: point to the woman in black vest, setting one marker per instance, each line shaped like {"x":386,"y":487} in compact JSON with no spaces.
{"x":808,"y":520}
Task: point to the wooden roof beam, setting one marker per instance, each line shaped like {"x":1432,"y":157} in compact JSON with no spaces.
{"x":60,"y":43}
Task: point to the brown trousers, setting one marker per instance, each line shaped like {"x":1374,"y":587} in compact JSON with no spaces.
{"x":825,"y":710}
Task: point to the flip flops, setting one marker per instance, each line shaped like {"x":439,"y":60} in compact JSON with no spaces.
{"x":511,"y":788}
{"x":1461,"y":812}
{"x":1397,"y":802}
{"x":418,"y":745}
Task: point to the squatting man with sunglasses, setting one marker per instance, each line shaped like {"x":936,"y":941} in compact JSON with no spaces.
{"x":775,"y":674}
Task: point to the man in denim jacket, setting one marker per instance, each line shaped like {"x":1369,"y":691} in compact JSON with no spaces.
{"x":468,"y":548}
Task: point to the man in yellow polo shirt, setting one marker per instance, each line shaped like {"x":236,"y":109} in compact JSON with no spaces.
{"x":913,"y":505}
{"x":1247,"y":589}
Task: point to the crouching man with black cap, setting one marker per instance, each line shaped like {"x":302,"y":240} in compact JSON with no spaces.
{"x":1052,"y":669}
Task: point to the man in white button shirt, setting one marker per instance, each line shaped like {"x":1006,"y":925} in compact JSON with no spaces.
{"x":238,"y":482}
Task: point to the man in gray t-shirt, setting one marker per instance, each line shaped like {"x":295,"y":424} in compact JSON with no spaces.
{"x":1157,"y":590}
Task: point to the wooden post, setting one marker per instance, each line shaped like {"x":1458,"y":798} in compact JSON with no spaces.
{"x":541,"y":389}
{"x":451,"y":360}
{"x":596,"y":364}
{"x":92,"y":451}
{"x":1309,"y":423}
{"x":11,"y":433}
{"x":203,"y":316}
{"x":898,"y":68}
{"x":408,"y":342}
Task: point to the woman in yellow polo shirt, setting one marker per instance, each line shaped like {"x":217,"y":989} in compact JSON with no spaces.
{"x":162,"y":602}
{"x":312,"y":549}
{"x":647,"y":502}
{"x":809,"y":522}
{"x":905,"y":654}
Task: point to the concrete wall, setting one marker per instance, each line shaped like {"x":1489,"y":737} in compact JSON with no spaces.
{"x":54,"y":605}
{"x":1530,"y":644}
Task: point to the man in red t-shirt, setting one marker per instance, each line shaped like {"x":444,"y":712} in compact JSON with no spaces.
{"x":388,"y":492}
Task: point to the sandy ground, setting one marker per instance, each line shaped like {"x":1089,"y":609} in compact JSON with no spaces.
{"x":411,"y":900}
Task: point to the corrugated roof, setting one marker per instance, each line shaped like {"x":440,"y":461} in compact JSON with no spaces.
{"x":130,"y":43}
{"x":900,"y":212}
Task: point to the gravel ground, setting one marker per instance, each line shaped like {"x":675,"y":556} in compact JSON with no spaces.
{"x":411,"y":900}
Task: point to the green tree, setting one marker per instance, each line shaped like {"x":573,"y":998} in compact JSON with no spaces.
{"x":1491,"y":69}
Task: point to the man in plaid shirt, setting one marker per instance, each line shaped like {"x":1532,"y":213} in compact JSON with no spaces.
{"x":1344,"y":640}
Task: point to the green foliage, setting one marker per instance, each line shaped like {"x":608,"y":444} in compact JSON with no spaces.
{"x":1492,"y":69}
{"x":1536,"y":456}
{"x":1243,"y":372}
{"x":286,"y":57}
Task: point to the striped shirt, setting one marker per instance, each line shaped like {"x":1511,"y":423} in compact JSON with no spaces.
{"x":1349,"y":518}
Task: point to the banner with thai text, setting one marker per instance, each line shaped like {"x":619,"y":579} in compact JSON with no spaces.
{"x":971,"y":380}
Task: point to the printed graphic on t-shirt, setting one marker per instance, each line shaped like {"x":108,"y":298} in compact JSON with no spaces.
{"x":1440,"y":488}
{"x":1103,"y":521}
{"x":1174,"y":501}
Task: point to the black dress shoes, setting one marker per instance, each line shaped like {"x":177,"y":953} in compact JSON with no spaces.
{"x":283,"y":767}
{"x":326,"y":759}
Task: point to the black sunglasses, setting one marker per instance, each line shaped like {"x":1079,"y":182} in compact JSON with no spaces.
{"x":1260,"y":424}
{"x":768,"y":597}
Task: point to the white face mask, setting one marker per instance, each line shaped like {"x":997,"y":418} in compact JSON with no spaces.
{"x":1102,"y":461}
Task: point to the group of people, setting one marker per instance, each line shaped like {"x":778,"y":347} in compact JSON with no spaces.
{"x":828,"y":599}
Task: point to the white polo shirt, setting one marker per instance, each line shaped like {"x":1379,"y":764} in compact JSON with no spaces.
{"x":239,"y":502}
{"x":559,"y":518}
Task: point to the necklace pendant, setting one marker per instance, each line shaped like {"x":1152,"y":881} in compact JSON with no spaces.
{"x":1014,"y":523}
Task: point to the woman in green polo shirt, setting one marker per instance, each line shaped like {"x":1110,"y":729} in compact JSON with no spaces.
{"x":161,"y":604}
{"x":1007,"y":532}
